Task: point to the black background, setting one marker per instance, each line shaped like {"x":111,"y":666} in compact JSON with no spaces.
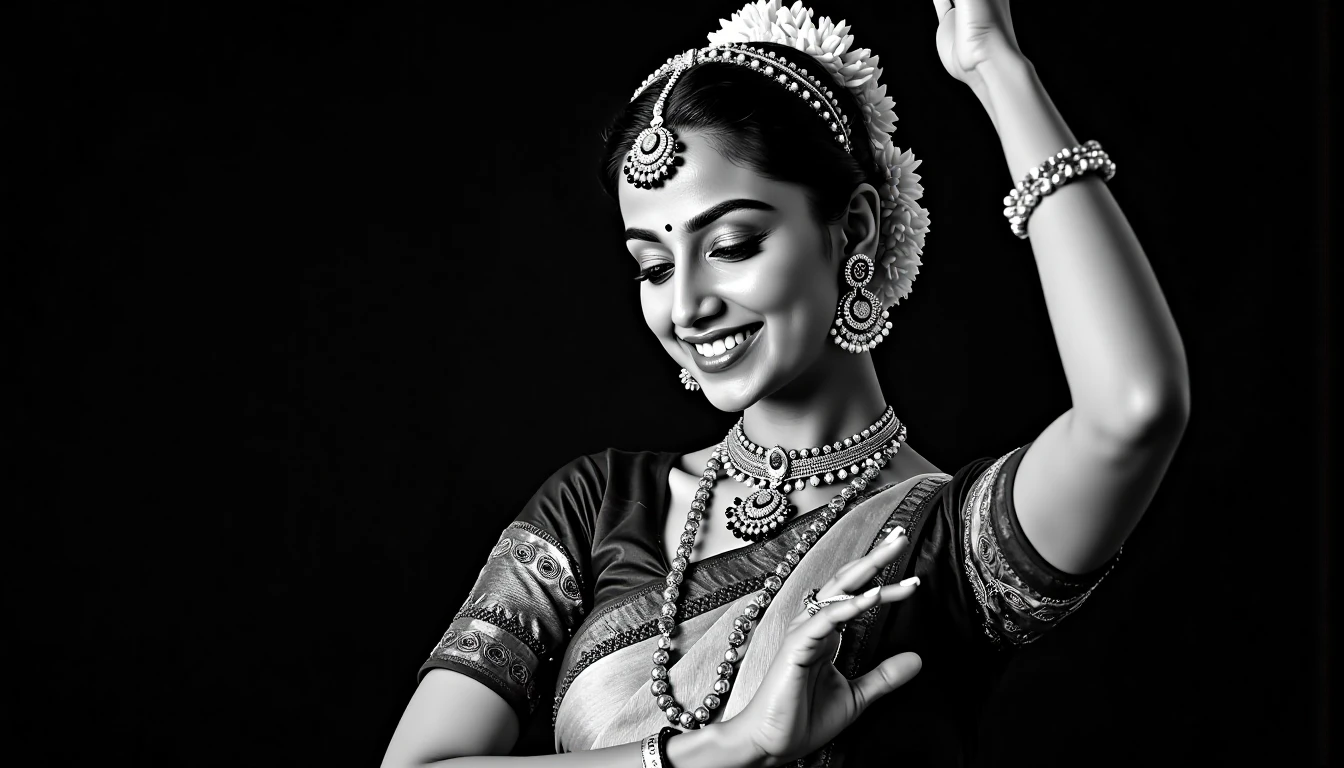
{"x":314,"y":299}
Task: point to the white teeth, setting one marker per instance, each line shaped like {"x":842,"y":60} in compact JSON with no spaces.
{"x":716,"y":348}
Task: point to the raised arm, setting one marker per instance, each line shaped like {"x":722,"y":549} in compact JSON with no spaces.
{"x":1088,"y":477}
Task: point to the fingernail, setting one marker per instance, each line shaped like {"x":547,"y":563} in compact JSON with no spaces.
{"x":913,"y":581}
{"x":872,"y":591}
{"x":894,"y":535}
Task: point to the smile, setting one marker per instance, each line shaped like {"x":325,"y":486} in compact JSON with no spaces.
{"x":719,"y":346}
{"x":724,"y":351}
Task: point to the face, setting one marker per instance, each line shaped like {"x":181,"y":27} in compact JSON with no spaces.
{"x":740,"y":285}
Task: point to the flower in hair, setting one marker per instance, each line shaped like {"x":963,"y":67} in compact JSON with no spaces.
{"x":904,"y":221}
{"x":767,"y":21}
{"x":904,"y":224}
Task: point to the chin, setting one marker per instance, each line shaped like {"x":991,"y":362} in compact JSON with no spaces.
{"x":729,"y":399}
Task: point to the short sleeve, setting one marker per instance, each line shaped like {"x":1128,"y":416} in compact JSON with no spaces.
{"x":532,"y":594}
{"x":1020,"y":595}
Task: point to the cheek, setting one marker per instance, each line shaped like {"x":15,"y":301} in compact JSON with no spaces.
{"x":657,"y":313}
{"x":799,"y":291}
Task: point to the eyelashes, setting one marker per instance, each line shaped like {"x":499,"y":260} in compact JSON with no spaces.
{"x":655,"y":274}
{"x":742,"y":249}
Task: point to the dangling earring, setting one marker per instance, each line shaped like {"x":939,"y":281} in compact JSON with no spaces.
{"x":860,"y":321}
{"x":688,"y":381}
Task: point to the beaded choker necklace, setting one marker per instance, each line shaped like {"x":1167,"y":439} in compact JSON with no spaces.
{"x":776,"y":472}
{"x":870,"y":451}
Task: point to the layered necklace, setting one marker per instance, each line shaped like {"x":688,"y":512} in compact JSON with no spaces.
{"x":775,"y":472}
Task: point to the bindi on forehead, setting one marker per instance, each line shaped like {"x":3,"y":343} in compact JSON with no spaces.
{"x":667,"y":227}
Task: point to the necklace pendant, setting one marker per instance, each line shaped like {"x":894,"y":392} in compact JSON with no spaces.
{"x":760,"y":515}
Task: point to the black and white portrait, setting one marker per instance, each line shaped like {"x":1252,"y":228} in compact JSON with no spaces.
{"x":695,"y":385}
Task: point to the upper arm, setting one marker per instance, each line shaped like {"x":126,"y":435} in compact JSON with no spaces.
{"x":451,"y":715}
{"x":1080,"y":490}
{"x":483,"y":678}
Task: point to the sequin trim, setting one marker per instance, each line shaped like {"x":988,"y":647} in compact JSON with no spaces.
{"x":641,"y":632}
{"x":493,"y":652}
{"x":499,"y":618}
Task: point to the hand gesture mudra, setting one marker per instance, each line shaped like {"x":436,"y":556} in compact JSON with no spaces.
{"x":972,"y":33}
{"x":804,"y":701}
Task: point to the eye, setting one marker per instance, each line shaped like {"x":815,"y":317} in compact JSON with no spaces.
{"x":655,"y":273}
{"x":741,"y":249}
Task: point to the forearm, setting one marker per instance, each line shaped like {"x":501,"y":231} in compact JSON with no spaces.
{"x":1121,"y":352}
{"x":713,"y":746}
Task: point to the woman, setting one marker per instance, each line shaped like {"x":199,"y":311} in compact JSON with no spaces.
{"x":776,"y":227}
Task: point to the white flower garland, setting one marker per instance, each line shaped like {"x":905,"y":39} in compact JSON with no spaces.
{"x":904,"y":222}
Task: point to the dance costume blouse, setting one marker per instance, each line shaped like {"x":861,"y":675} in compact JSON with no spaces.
{"x":576,"y":579}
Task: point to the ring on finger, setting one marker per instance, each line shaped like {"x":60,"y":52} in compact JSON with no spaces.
{"x":814,"y":605}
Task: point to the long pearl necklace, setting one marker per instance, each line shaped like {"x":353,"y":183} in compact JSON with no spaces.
{"x":866,"y":458}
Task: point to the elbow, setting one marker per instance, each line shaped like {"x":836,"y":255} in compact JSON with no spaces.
{"x":1147,"y":416}
{"x":1160,"y":411}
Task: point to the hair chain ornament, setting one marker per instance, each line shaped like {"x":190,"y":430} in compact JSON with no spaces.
{"x":839,"y":63}
{"x":860,"y":321}
{"x":653,"y":157}
{"x":870,"y":443}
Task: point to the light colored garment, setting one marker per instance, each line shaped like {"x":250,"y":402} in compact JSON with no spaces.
{"x":609,"y":702}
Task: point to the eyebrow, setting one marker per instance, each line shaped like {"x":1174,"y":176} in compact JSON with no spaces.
{"x":705,"y":218}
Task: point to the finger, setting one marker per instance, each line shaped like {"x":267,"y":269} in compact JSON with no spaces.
{"x":850,"y":578}
{"x":885,"y":678}
{"x":809,"y":641}
{"x":942,"y":7}
{"x":828,"y":619}
{"x":858,"y":574}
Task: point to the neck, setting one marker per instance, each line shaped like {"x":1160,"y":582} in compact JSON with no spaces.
{"x":838,"y":397}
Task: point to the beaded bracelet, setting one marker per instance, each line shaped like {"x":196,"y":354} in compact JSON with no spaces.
{"x":654,"y":751}
{"x":1065,"y":166}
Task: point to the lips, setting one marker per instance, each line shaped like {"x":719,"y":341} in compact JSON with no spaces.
{"x":715,"y":356}
{"x":723,"y":343}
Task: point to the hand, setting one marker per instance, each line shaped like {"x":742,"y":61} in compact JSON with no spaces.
{"x":973,"y":34}
{"x":804,"y":701}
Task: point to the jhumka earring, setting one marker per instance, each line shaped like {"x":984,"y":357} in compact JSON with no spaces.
{"x":860,"y":321}
{"x":688,"y":381}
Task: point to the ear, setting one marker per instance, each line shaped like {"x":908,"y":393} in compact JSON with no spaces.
{"x":860,"y":226}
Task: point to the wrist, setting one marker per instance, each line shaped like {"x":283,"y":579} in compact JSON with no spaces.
{"x":1001,"y":78}
{"x":713,"y":746}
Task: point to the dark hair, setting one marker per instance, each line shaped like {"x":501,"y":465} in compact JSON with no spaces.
{"x":756,"y":124}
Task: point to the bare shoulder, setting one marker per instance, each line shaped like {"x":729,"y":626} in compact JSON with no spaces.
{"x":909,"y":462}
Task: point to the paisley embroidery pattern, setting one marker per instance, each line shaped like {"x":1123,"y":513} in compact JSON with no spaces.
{"x":1011,"y":610}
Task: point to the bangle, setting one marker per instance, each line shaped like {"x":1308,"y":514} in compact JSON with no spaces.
{"x":1065,"y":166}
{"x":653,"y":752}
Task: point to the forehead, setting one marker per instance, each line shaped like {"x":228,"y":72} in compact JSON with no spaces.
{"x":704,"y":178}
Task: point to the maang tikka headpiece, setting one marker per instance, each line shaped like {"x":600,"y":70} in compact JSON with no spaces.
{"x":904,"y":223}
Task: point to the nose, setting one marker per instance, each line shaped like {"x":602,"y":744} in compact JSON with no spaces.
{"x":693,"y":300}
